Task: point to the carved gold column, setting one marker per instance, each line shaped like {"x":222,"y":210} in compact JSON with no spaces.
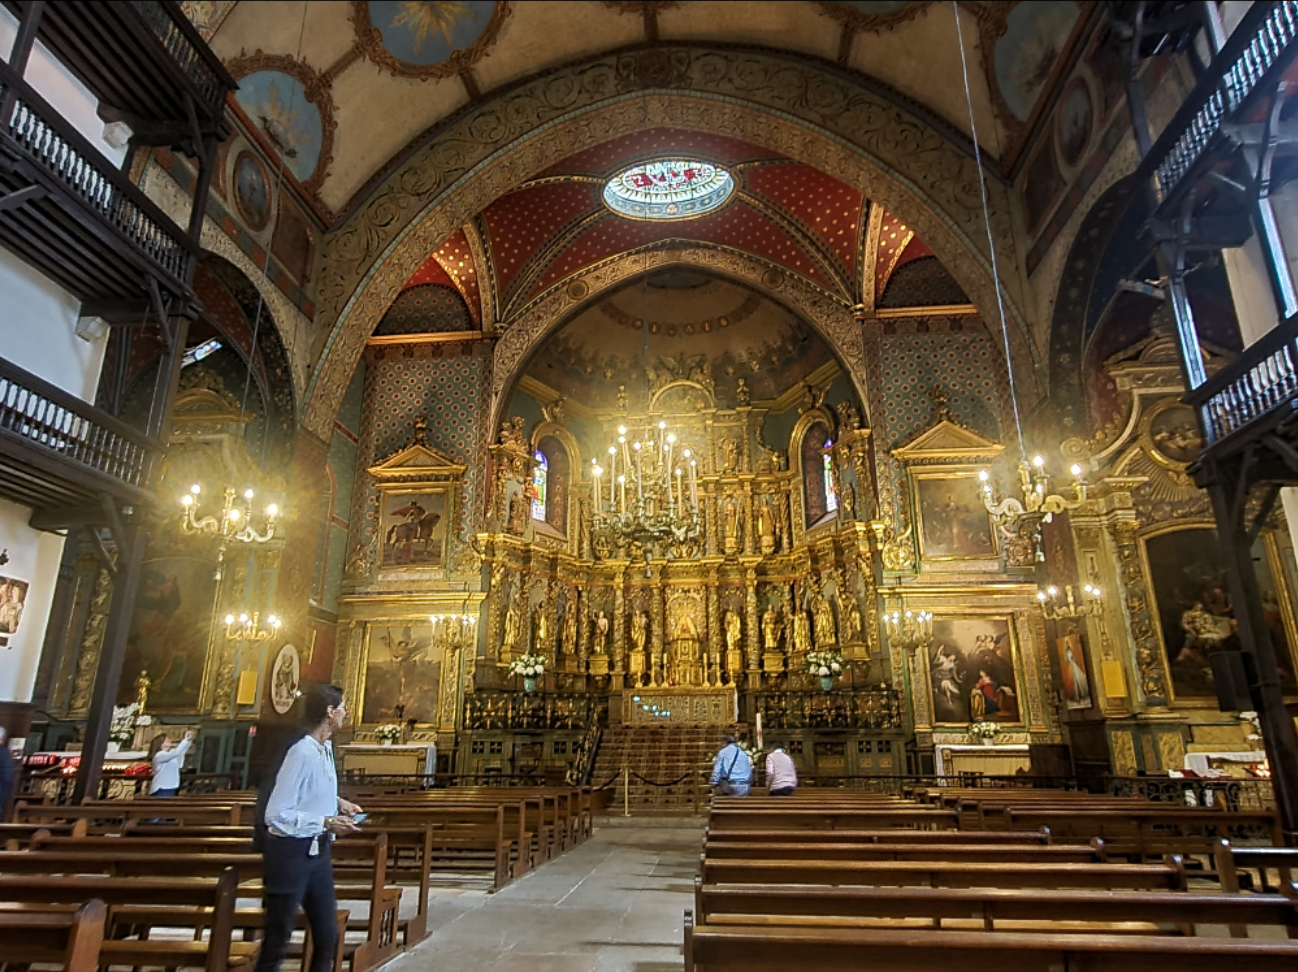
{"x":657,"y":619}
{"x":619,"y":620}
{"x":583,"y":628}
{"x":1138,"y":600}
{"x":752,"y":642}
{"x":713,"y":621}
{"x":749,"y":525}
{"x":92,"y":640}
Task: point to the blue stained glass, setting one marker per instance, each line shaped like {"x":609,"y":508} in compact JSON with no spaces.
{"x":831,"y":494}
{"x":539,"y":477}
{"x":668,"y":189}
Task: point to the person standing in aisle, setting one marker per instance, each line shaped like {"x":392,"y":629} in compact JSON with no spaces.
{"x":302,"y":817}
{"x":167,"y":761}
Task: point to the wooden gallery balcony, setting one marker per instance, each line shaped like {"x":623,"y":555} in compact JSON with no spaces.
{"x":57,"y":453}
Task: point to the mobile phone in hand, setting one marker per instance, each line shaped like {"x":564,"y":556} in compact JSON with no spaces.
{"x":360,"y":818}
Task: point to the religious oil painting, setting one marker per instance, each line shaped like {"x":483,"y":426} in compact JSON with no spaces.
{"x":251,"y":191}
{"x":423,"y":32}
{"x":1075,"y":118}
{"x":1076,"y":684}
{"x":169,"y":634}
{"x":403,"y":670}
{"x":972,"y":672}
{"x":13,"y":599}
{"x":954,"y":524}
{"x":1036,"y":34}
{"x":414,"y":528}
{"x":277,"y":105}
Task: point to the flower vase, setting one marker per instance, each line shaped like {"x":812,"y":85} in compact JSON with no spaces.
{"x":112,"y":746}
{"x":826,"y":682}
{"x":529,"y":684}
{"x":988,"y":740}
{"x":385,"y":741}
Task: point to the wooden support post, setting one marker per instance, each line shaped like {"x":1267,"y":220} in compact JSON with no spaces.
{"x":98,"y":720}
{"x":1227,"y":484}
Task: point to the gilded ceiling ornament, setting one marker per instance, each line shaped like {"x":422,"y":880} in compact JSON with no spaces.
{"x":873,"y":18}
{"x":426,"y":39}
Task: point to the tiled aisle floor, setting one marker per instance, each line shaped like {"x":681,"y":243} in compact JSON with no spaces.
{"x":614,"y":904}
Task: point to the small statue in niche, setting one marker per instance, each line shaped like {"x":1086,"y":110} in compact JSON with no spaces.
{"x":848,"y":416}
{"x":801,"y":631}
{"x":766,"y":526}
{"x":622,"y":400}
{"x":520,"y":511}
{"x":847,"y":501}
{"x":853,"y":622}
{"x":771,"y":628}
{"x":569,"y":638}
{"x":734,"y":631}
{"x":743,"y":394}
{"x":826,"y":636}
{"x":513,"y":621}
{"x":730,"y":455}
{"x":639,"y":630}
{"x":601,"y":632}
{"x":602,"y":548}
{"x":731,"y":534}
{"x":541,"y":629}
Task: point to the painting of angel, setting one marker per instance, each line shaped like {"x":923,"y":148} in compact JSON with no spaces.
{"x":972,"y":673}
{"x":403,"y":669}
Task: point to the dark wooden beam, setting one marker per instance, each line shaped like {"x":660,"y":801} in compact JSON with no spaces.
{"x":15,"y":199}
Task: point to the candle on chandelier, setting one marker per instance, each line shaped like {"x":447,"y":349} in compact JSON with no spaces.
{"x":679,"y":495}
{"x":595,"y":471}
{"x":694,"y":488}
{"x":621,"y":482}
{"x":639,"y":473}
{"x":612,"y":474}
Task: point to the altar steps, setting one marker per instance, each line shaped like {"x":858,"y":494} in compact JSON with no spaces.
{"x":669,"y":768}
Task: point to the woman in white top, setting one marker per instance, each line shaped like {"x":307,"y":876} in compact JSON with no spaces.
{"x":167,"y":761}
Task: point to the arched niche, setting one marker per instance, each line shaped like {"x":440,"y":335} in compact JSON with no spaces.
{"x":813,"y":435}
{"x":562,"y":472}
{"x":866,"y":140}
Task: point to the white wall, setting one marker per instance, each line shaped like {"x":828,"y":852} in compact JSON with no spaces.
{"x":33,"y":557}
{"x":37,"y":332}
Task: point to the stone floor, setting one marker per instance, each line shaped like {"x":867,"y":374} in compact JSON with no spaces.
{"x":614,"y":904}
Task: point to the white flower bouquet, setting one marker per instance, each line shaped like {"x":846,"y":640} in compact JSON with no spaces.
{"x":121,"y":729}
{"x":389,"y":731}
{"x":984,"y":730}
{"x":826,"y":664}
{"x":528,"y":666}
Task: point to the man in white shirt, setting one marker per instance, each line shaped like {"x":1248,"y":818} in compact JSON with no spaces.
{"x":167,"y":761}
{"x":781,"y":774}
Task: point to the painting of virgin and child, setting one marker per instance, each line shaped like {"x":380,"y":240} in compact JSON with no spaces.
{"x":971,"y":671}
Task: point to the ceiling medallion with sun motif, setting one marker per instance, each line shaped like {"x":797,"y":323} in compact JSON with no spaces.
{"x":668,"y":189}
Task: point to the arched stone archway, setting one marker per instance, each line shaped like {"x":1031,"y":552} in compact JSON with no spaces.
{"x":833,"y":319}
{"x":793,"y":107}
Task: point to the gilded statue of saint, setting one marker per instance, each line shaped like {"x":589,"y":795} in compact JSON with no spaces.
{"x":734,"y":631}
{"x":513,"y":621}
{"x":854,"y":621}
{"x":639,"y":630}
{"x":601,"y":632}
{"x":569,"y":636}
{"x":801,"y":631}
{"x":826,"y":635}
{"x":771,"y":629}
{"x":541,"y":629}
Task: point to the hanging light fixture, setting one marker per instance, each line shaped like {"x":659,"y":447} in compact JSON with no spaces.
{"x":1071,"y":607}
{"x":1022,"y":516}
{"x":909,"y":629}
{"x":247,"y":627}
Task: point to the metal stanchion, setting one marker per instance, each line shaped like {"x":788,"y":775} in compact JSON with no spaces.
{"x":626,"y":791}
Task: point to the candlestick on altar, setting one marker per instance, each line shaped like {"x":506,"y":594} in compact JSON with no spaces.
{"x":612,"y":475}
{"x":595,"y":471}
{"x":621,"y":482}
{"x":694,"y":489}
{"x":680,"y":497}
{"x":639,"y":474}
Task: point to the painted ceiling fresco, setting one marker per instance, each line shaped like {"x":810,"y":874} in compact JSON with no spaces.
{"x":698,"y":327}
{"x":358,"y":60}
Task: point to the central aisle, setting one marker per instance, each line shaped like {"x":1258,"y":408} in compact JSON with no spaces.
{"x":614,"y":904}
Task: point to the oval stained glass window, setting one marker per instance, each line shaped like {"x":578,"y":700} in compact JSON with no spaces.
{"x":668,"y":189}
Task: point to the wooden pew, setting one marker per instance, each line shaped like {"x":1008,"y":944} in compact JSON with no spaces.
{"x":1148,"y":830}
{"x":218,"y":953}
{"x":16,"y":836}
{"x":957,"y":853}
{"x":1231,"y":861}
{"x":777,"y":949}
{"x":830,"y":818}
{"x":1169,"y":876}
{"x":467,"y":837}
{"x":70,"y":940}
{"x":990,"y":908}
{"x":984,"y":837}
{"x":363,"y":860}
{"x":118,"y":812}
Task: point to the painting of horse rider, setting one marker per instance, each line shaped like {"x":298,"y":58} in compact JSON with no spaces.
{"x":414,"y":529}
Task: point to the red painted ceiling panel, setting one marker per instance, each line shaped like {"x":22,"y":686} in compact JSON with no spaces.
{"x":521,"y":222}
{"x":823,"y":205}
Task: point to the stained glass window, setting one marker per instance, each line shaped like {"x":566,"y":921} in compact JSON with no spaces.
{"x":668,"y":189}
{"x":539,"y":477}
{"x":831,"y":494}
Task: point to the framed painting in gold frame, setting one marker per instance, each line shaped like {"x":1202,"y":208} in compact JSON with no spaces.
{"x":974,"y":672}
{"x":951,"y":521}
{"x":1193,"y":614}
{"x":418,"y":498}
